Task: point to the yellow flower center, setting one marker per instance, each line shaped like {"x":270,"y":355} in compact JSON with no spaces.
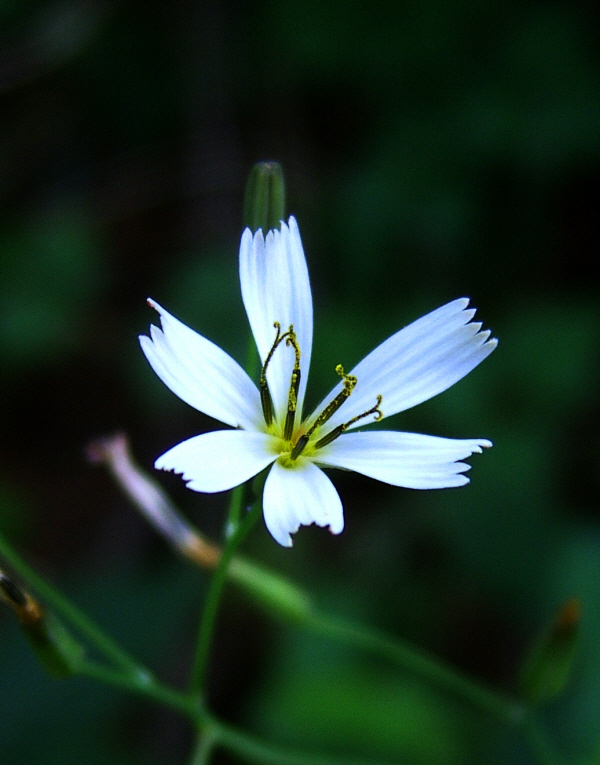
{"x":302,"y":440}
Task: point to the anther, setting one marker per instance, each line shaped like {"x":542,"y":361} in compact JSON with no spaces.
{"x":332,"y":407}
{"x":336,"y":432}
{"x":265,"y":395}
{"x":299,"y":446}
{"x":294,"y":386}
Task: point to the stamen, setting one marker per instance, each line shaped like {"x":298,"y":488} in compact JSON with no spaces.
{"x":299,"y":446}
{"x":265,"y":395}
{"x":332,"y":407}
{"x":336,"y":432}
{"x":294,"y":385}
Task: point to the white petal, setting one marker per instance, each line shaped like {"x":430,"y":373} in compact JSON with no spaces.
{"x":300,"y":496}
{"x":219,"y":460}
{"x":411,"y":460}
{"x":416,"y":363}
{"x":275,"y":287}
{"x":202,"y":374}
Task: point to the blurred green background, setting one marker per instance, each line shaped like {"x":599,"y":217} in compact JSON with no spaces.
{"x":432,"y":149}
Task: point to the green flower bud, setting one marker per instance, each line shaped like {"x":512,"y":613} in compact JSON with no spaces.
{"x":264,"y":201}
{"x":547,"y":666}
{"x":56,"y":649}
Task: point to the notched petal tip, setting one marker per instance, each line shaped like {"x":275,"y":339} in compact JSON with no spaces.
{"x":283,"y":536}
{"x":286,"y":539}
{"x":187,"y":479}
{"x":159,"y":310}
{"x":336,"y":527}
{"x":161,"y":464}
{"x":154,"y":304}
{"x":459,"y":480}
{"x":468,"y":315}
{"x":478,"y":446}
{"x":257,"y":239}
{"x":300,"y":497}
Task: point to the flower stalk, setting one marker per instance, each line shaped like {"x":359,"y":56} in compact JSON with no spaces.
{"x":152,"y":501}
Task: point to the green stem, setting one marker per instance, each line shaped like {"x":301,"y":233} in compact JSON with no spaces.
{"x":71,"y":613}
{"x":213,"y":732}
{"x":145,"y":686}
{"x":206,"y":744}
{"x":215,"y":591}
{"x":235,"y":507}
{"x":253,"y":750}
{"x":409,"y":658}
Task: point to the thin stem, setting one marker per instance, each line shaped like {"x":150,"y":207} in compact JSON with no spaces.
{"x":147,"y":687}
{"x":235,"y":507}
{"x":206,"y":744}
{"x":253,"y":750}
{"x":211,"y":605}
{"x":213,"y":732}
{"x":411,"y":659}
{"x":77,"y":618}
{"x":510,"y":711}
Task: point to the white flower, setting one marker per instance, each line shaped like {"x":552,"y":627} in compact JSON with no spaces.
{"x":413,"y":365}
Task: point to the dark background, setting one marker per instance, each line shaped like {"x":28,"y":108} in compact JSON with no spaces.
{"x":432,"y":149}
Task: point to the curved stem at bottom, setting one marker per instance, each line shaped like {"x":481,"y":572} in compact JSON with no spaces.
{"x":213,"y":598}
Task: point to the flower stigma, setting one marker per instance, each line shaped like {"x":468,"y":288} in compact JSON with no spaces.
{"x":303,"y":439}
{"x":349,"y":384}
{"x":290,"y":417}
{"x":265,"y":395}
